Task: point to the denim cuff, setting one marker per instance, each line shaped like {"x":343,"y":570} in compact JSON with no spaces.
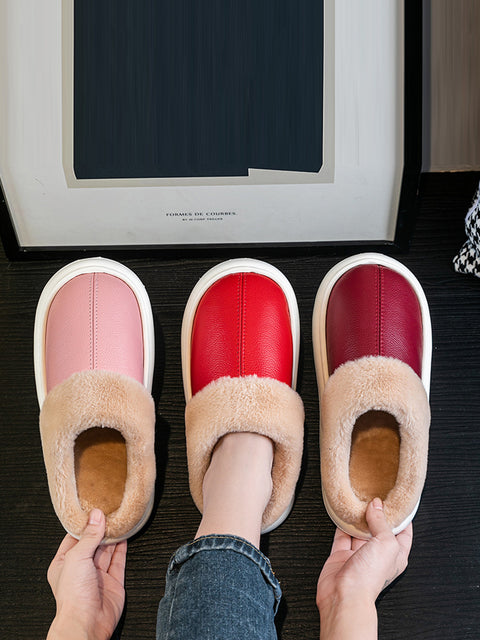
{"x":228,"y":543}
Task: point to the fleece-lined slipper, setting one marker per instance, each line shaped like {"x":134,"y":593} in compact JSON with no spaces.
{"x":94,"y":357}
{"x":372,"y":347}
{"x":240,"y":346}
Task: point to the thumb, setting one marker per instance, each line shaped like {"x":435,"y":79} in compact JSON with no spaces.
{"x":92,"y":534}
{"x":377,"y":523}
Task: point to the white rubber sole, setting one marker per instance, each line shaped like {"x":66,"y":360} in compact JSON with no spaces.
{"x":279,"y":520}
{"x":58,"y":280}
{"x":320,"y":347}
{"x":238,"y":265}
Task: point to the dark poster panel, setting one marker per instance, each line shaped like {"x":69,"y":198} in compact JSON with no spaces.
{"x":197,"y":89}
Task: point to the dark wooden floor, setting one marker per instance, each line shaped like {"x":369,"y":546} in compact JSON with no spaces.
{"x":439,"y":595}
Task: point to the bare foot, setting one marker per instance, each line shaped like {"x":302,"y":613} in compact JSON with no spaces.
{"x":237,"y":486}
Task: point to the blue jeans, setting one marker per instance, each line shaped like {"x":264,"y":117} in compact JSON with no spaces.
{"x":219,"y":587}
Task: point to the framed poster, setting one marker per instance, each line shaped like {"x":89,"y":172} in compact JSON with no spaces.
{"x":151,"y":125}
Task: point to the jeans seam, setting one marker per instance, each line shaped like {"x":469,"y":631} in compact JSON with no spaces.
{"x":169,"y":631}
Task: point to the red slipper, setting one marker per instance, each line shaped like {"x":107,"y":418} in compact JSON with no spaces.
{"x":240,"y":344}
{"x":372,"y":346}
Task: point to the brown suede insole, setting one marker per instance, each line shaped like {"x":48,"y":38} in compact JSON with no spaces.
{"x":100,"y":468}
{"x":374,"y":455}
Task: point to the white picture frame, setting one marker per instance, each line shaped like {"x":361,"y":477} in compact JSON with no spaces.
{"x":363,"y":194}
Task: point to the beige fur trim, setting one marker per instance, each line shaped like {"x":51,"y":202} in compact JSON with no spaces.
{"x":260,"y":405}
{"x":99,"y":399}
{"x":379,"y":384}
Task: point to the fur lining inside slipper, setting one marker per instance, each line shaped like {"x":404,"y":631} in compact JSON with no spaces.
{"x":259,"y":405}
{"x":375,"y":420}
{"x":98,"y":430}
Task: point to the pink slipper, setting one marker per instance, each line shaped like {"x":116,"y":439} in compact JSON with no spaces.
{"x":372,"y":345}
{"x":240,"y":344}
{"x":94,"y":356}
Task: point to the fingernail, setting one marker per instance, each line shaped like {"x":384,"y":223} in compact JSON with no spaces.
{"x":377,"y":504}
{"x":95,"y":516}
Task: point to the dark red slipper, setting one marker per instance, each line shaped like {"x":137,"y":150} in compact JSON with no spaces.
{"x":372,"y":346}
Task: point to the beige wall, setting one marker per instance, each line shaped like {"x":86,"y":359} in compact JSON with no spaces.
{"x":452,"y":85}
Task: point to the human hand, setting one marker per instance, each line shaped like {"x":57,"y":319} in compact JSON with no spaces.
{"x":358,"y":570}
{"x":87,"y":581}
